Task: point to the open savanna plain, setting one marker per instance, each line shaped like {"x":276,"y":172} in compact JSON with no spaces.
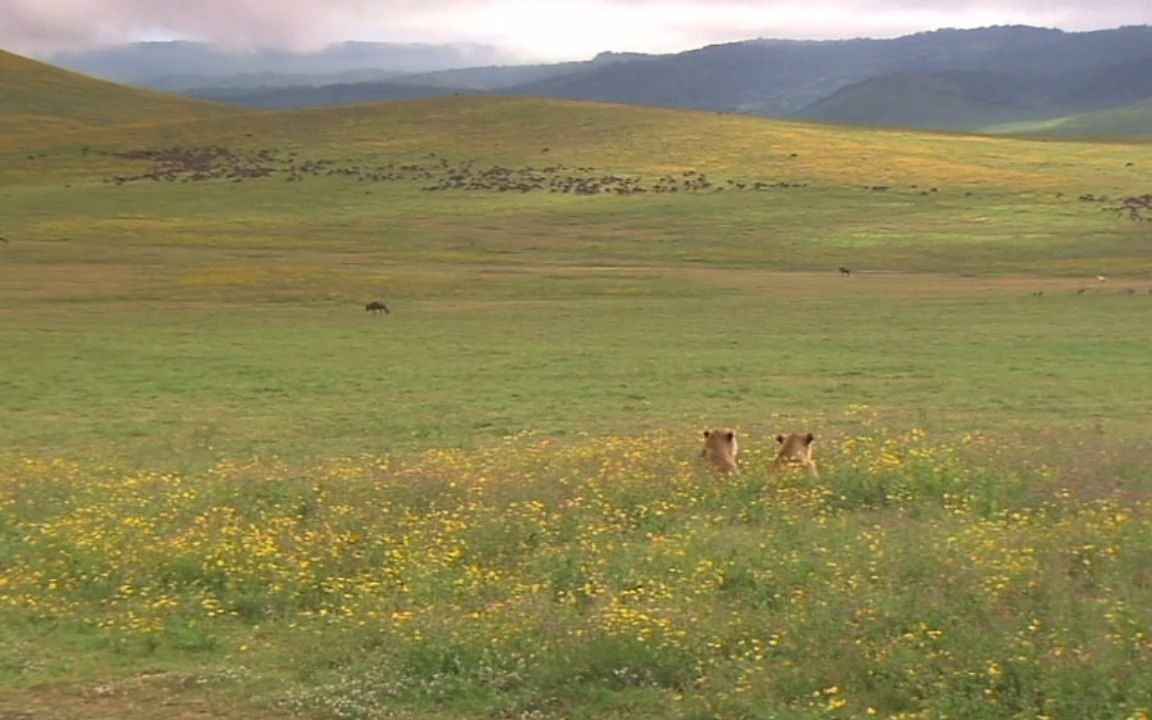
{"x":227,"y":491}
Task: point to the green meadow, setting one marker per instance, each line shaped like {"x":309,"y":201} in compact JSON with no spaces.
{"x":228,"y":489}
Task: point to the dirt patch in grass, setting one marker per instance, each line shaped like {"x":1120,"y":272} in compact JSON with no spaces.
{"x":144,"y":696}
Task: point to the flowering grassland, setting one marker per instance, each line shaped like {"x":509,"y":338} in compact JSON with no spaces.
{"x":607,"y":576}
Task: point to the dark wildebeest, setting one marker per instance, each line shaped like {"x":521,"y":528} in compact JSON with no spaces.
{"x":845,"y":271}
{"x":375,"y":307}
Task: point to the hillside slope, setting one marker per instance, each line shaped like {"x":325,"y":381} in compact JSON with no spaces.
{"x":36,"y":97}
{"x":946,"y":100}
{"x":977,"y":99}
{"x":1130,"y":121}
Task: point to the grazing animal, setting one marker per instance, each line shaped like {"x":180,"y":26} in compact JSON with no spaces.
{"x":1101,"y":278}
{"x":376,"y":308}
{"x":845,"y":271}
{"x":721,"y":448}
{"x":796,"y":449}
{"x":1080,"y":291}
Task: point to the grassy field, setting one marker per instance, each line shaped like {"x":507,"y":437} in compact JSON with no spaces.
{"x":183,"y":290}
{"x":564,"y":351}
{"x":226,"y":489}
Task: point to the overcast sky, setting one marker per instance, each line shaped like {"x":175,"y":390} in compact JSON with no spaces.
{"x":530,"y":29}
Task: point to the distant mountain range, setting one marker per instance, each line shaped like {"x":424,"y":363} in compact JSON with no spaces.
{"x":1000,"y":77}
{"x":178,"y":65}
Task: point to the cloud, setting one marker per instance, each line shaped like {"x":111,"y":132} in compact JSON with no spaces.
{"x":548,"y":29}
{"x":235,"y":23}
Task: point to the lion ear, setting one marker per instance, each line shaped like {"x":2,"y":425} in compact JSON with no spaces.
{"x":707,"y":433}
{"x":731,"y":436}
{"x":809,"y":439}
{"x":779,"y":438}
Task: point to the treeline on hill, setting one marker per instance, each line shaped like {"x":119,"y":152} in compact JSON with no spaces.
{"x":982,"y":79}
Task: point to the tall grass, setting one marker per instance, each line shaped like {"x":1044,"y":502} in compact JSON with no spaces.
{"x":610,"y":576}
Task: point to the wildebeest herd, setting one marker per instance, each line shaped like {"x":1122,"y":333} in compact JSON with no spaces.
{"x":215,"y":162}
{"x":1136,"y":207}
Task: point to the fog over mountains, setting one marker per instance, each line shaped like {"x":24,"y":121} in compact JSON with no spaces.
{"x":945,"y":79}
{"x":179,"y":65}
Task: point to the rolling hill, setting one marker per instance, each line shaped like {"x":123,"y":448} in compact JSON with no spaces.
{"x":945,"y":100}
{"x":1129,"y":121}
{"x":36,"y":97}
{"x":975,"y":100}
{"x":557,"y":165}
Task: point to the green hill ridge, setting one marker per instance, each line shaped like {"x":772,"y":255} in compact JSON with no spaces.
{"x":37,"y":97}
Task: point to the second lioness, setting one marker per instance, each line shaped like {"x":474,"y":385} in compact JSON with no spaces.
{"x":796,"y":449}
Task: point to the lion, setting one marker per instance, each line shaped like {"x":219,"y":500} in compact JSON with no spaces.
{"x":721,"y":448}
{"x":796,"y":449}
